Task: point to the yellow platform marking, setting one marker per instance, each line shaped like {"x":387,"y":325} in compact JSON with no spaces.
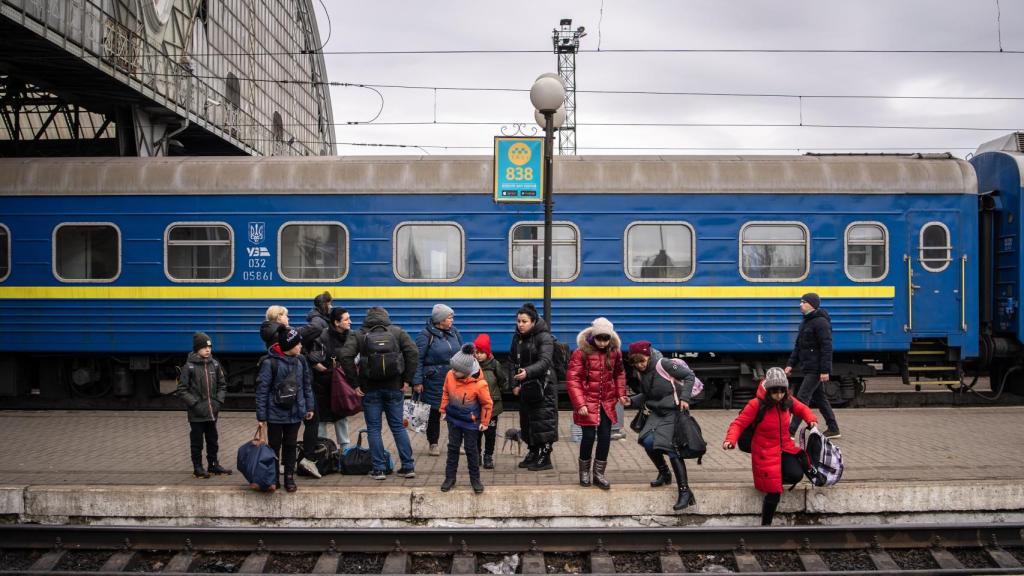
{"x":435,"y":292}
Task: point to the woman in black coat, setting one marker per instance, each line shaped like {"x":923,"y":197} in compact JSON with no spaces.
{"x":533,"y":381}
{"x":330,"y":342}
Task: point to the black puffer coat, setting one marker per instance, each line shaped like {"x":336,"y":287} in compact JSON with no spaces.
{"x":533,"y":351}
{"x":813,"y":348}
{"x":202,"y":387}
{"x":330,"y":341}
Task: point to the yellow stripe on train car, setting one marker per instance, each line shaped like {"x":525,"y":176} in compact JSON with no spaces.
{"x":94,"y":292}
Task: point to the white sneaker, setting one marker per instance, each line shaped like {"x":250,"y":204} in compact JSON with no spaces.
{"x":434,"y":450}
{"x":310,"y":467}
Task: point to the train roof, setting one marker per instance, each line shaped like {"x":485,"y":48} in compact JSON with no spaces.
{"x":860,"y":174}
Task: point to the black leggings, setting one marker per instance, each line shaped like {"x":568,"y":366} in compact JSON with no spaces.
{"x":792,"y":472}
{"x":434,"y":426}
{"x":604,"y":438}
{"x":286,"y":435}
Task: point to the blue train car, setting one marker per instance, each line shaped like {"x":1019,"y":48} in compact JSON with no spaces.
{"x":108,"y":265}
{"x":1000,"y":168}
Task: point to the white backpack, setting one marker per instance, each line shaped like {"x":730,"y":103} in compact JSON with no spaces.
{"x":825,"y":459}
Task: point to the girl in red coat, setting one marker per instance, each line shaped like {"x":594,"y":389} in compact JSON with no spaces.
{"x":596,"y":380}
{"x":774,"y":457}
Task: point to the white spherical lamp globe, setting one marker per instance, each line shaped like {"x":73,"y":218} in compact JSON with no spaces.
{"x":547,"y":94}
{"x":557,"y":119}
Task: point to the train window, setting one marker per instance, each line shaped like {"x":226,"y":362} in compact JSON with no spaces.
{"x":312,"y":251}
{"x":774,"y":251}
{"x":87,"y":252}
{"x":5,"y":252}
{"x":935,"y":251}
{"x":526,"y":244}
{"x":659,"y":251}
{"x":198,"y":252}
{"x":428,"y":251}
{"x":867,"y":251}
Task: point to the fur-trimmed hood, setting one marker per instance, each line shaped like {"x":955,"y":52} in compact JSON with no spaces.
{"x":583,"y":340}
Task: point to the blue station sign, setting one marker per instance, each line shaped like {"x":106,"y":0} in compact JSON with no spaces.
{"x":518,"y":169}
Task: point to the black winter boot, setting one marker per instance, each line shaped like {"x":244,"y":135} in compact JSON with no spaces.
{"x":686,"y":497}
{"x":543,"y":459}
{"x":289,"y":483}
{"x":664,"y":475}
{"x":531,"y":457}
{"x":217,"y":470}
{"x":197,"y":469}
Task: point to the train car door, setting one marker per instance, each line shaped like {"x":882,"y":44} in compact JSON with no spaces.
{"x":935,"y":280}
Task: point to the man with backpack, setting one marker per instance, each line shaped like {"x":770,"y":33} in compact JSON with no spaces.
{"x":388,"y":358}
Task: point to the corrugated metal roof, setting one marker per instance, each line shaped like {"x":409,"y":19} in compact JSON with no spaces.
{"x":474,"y":175}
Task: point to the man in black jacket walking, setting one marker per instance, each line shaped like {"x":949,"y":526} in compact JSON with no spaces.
{"x":813,"y":352}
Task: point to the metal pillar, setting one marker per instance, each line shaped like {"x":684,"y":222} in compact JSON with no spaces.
{"x":549,"y":207}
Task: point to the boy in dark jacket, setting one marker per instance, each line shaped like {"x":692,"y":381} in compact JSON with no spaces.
{"x":497,"y":383}
{"x":202,"y":387}
{"x":284,"y":398}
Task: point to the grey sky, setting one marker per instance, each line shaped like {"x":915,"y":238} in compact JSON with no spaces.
{"x":386,"y":25}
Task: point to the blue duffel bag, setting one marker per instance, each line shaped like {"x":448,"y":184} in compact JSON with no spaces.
{"x":257,"y":461}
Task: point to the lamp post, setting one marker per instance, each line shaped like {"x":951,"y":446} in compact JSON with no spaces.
{"x":548,"y":97}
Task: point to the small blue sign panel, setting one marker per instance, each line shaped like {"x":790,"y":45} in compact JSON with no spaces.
{"x":518,"y":169}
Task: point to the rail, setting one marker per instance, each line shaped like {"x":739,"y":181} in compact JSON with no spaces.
{"x":941,"y":549}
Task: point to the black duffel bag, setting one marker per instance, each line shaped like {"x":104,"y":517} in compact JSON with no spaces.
{"x":687,"y":437}
{"x":356,"y":460}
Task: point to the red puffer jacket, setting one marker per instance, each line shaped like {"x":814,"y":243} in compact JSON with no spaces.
{"x":595,"y":385}
{"x":771,"y":439}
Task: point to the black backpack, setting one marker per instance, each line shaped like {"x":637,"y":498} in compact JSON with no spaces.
{"x":380,"y":356}
{"x":325,"y":457}
{"x":560,"y":358}
{"x":285,"y":391}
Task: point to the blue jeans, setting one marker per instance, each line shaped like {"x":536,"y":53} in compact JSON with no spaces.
{"x":386,"y":403}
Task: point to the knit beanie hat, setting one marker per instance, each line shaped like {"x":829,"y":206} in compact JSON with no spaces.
{"x":440,"y":313}
{"x":483,"y":344}
{"x":463,"y":361}
{"x":288,"y":338}
{"x":602,"y":326}
{"x":200,"y":340}
{"x":813,"y":299}
{"x":642,"y":347}
{"x":776,"y":378}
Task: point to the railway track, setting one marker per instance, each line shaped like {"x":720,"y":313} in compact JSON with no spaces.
{"x":891,"y":549}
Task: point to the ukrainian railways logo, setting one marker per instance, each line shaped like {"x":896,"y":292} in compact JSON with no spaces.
{"x":257,"y":232}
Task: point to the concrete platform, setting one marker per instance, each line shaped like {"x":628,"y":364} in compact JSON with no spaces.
{"x":903,"y":465}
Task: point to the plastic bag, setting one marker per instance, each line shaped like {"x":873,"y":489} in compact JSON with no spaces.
{"x":415,"y":415}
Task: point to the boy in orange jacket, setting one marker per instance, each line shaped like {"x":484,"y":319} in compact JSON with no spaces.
{"x":466,"y":406}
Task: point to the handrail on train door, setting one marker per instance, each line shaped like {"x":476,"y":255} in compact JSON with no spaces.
{"x":963,"y":293}
{"x":910,"y":294}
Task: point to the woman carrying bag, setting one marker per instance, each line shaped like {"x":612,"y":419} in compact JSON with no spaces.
{"x":774,"y":457}
{"x":664,"y":394}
